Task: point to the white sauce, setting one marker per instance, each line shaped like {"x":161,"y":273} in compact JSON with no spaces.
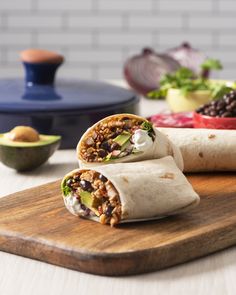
{"x":73,"y":205}
{"x":142,"y":141}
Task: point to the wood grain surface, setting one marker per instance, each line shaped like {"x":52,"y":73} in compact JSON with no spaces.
{"x":34,"y":223}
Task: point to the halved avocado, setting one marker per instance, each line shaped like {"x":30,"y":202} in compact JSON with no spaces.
{"x":23,"y":155}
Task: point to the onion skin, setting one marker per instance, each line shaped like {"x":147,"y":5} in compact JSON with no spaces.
{"x":189,"y":57}
{"x":143,"y":71}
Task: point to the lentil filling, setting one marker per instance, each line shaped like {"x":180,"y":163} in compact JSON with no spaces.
{"x":95,"y":194}
{"x":113,"y":138}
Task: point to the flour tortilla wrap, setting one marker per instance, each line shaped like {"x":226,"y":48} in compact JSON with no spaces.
{"x":205,"y":149}
{"x":147,"y":190}
{"x":161,"y":146}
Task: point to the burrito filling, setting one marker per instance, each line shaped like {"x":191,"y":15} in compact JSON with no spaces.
{"x":117,"y":138}
{"x":91,"y":194}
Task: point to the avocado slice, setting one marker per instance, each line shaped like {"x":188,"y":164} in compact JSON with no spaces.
{"x":89,"y":201}
{"x":24,"y":156}
{"x":122,"y":138}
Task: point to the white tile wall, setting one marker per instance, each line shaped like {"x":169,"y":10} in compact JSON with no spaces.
{"x":97,"y":36}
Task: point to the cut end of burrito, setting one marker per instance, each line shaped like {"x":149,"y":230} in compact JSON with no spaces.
{"x":128,"y":192}
{"x":88,"y":193}
{"x":115,"y":137}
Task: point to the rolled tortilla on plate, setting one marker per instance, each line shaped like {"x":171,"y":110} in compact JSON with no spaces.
{"x":205,"y":149}
{"x":128,"y":192}
{"x":124,"y":138}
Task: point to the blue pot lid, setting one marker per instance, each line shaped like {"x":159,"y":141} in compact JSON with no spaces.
{"x":64,"y":96}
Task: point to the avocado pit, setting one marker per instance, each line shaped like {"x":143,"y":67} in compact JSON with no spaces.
{"x":23,"y":134}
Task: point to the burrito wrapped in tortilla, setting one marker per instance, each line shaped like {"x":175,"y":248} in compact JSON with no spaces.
{"x":205,"y":149}
{"x":124,"y":138}
{"x":127,"y":192}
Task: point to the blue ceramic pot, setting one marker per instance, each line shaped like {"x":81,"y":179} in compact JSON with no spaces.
{"x":68,"y":108}
{"x":40,"y":73}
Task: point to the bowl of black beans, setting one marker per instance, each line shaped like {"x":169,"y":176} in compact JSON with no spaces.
{"x":217,"y":114}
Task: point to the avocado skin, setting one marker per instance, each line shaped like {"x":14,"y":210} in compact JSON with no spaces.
{"x":27,"y":158}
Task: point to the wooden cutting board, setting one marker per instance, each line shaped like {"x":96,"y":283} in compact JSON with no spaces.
{"x":34,"y":223}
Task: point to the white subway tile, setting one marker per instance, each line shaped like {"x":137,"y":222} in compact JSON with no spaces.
{"x":95,"y":21}
{"x":227,"y":6}
{"x":65,"y":38}
{"x":9,"y":71}
{"x":119,"y":28}
{"x":185,"y":5}
{"x":79,"y":72}
{"x":15,"y":5}
{"x":15,"y":39}
{"x":212,"y":22}
{"x":228,"y":73}
{"x":64,"y":5}
{"x":155,"y":22}
{"x":13,"y":55}
{"x":125,"y":5}
{"x":125,"y":39}
{"x":225,"y":56}
{"x":134,"y":50}
{"x":110,"y":72}
{"x":95,"y":56}
{"x":195,"y":39}
{"x":226,"y":40}
{"x":34,"y":21}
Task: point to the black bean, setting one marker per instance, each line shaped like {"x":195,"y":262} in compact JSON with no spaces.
{"x":109,"y":211}
{"x":224,"y":107}
{"x":69,"y":182}
{"x":102,"y":153}
{"x":83,"y":207}
{"x":116,"y":134}
{"x":86,"y":185}
{"x":115,"y":146}
{"x":213,"y":113}
{"x":233,"y":105}
{"x":229,"y":99}
{"x":213,"y":103}
{"x":113,"y":129}
{"x":221,"y":104}
{"x":102,"y":178}
{"x":229,"y":108}
{"x":227,"y":114}
{"x":76,"y":178}
{"x":105,"y":145}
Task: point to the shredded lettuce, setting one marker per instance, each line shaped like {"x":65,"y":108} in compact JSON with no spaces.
{"x":65,"y":188}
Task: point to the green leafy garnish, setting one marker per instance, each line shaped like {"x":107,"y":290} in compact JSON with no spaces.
{"x":219,"y":90}
{"x":66,"y":190}
{"x":147,"y":126}
{"x":211,"y":64}
{"x":187,"y":81}
{"x":110,"y":157}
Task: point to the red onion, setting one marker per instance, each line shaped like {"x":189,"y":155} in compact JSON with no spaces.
{"x":144,"y":71}
{"x":187,"y":56}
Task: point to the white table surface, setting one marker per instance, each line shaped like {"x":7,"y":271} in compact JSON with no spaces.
{"x":215,"y":274}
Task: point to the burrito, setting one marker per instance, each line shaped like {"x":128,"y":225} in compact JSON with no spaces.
{"x":205,"y":149}
{"x":126,"y":192}
{"x":124,"y":138}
